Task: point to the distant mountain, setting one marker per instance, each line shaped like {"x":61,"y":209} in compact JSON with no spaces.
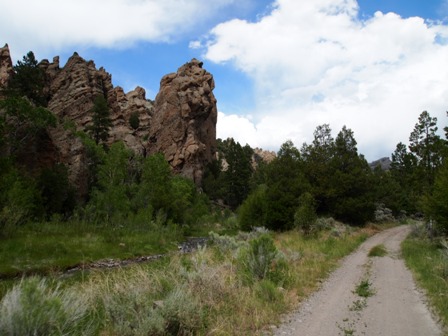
{"x":384,"y":163}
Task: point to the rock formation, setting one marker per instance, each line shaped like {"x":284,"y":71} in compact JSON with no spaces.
{"x":261,"y":155}
{"x":183,"y":126}
{"x":384,"y":163}
{"x":71,"y":91}
{"x":6,"y":68}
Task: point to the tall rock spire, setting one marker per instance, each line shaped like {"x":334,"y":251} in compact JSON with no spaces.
{"x":183,"y":126}
{"x":6,"y":69}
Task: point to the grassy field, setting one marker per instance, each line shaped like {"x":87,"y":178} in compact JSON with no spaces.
{"x":45,"y":248}
{"x":238,"y":285}
{"x":428,"y":260}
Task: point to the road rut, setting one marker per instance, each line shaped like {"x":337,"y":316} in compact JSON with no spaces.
{"x":396,"y":308}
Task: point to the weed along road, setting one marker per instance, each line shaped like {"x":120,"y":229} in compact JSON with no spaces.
{"x":367,"y":295}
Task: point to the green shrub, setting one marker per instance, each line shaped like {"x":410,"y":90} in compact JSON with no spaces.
{"x":262,"y":260}
{"x":252,"y":212}
{"x":131,"y":312}
{"x":364,"y":289}
{"x":134,"y":121}
{"x":134,"y":310}
{"x":378,"y":251}
{"x":19,"y":201}
{"x":58,"y":195}
{"x":268,"y":291}
{"x":34,"y":308}
{"x":181,"y":312}
{"x":305,"y":216}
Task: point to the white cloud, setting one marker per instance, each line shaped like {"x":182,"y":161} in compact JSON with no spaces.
{"x":51,"y":24}
{"x":315,"y":62}
{"x":237,"y":127}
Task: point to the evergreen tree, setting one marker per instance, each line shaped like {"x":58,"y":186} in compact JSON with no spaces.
{"x":285,"y":183}
{"x":352,"y":201}
{"x":101,"y":122}
{"x":427,"y":146}
{"x":317,"y":158}
{"x":252,"y":213}
{"x":446,"y":129}
{"x":28,"y":80}
{"x":238,"y":173}
{"x":404,"y":173}
{"x":435,"y":204}
{"x":20,"y":121}
{"x":229,"y":177}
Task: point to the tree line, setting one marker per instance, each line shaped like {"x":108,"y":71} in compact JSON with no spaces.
{"x":326,"y":178}
{"x":329,"y":178}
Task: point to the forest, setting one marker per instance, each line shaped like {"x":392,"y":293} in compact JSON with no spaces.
{"x":326,"y":178}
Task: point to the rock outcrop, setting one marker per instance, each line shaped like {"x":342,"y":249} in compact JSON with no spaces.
{"x":71,"y":91}
{"x":183,"y":126}
{"x":384,"y":163}
{"x":261,"y":155}
{"x":6,"y":68}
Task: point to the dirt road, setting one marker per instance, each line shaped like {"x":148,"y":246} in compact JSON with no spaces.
{"x":396,"y":307}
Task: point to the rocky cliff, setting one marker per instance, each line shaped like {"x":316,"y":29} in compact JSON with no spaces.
{"x":184,"y":121}
{"x":181,"y":124}
{"x":6,"y":68}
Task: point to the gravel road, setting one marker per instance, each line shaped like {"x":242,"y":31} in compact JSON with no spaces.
{"x":396,"y":307}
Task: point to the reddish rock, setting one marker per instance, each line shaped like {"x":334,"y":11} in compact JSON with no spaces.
{"x":6,"y":68}
{"x":183,"y":126}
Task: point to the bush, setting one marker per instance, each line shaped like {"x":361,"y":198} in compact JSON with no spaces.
{"x":383,"y":214}
{"x":268,"y":291}
{"x":262,"y":260}
{"x":58,"y":195}
{"x":182,"y":314}
{"x":252,"y":212}
{"x":134,"y":121}
{"x":33,"y":308}
{"x":305,"y":216}
{"x":131,"y":312}
{"x":19,"y":200}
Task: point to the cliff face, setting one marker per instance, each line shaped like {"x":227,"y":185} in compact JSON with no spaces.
{"x":184,"y":121}
{"x":6,"y":68}
{"x":181,"y":124}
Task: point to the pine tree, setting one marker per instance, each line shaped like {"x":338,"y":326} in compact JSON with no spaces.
{"x":317,"y":158}
{"x":101,"y":122}
{"x":352,"y":199}
{"x":238,"y":173}
{"x":28,"y":80}
{"x":427,"y":146}
{"x":286,"y":182}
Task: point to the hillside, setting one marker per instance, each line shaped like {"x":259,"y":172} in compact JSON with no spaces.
{"x":181,"y":122}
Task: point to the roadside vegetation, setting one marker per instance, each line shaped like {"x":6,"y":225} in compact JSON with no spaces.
{"x":378,"y":251}
{"x":428,"y":260}
{"x":237,"y":285}
{"x":316,"y":201}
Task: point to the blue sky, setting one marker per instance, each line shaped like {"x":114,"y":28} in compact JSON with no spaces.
{"x":281,"y":67}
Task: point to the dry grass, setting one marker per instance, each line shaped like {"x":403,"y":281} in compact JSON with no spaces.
{"x":207,"y":293}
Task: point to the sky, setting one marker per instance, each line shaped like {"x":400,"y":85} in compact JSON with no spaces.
{"x":281,"y":68}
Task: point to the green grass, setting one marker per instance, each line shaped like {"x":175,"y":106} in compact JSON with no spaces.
{"x":429,"y":263}
{"x":378,"y":251}
{"x":47,"y":247}
{"x":364,"y":289}
{"x":204,"y":292}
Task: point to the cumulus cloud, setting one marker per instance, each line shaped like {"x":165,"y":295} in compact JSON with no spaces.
{"x":99,"y":23}
{"x":315,"y":62}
